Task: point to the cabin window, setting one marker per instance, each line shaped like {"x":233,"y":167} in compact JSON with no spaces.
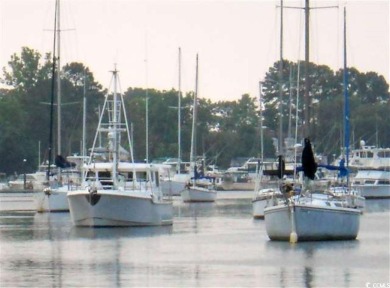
{"x":370,"y":155}
{"x":141,"y":176}
{"x":369,"y":182}
{"x":104,"y":175}
{"x":384,"y":154}
{"x":384,"y":182}
{"x":90,"y":175}
{"x":157,"y":179}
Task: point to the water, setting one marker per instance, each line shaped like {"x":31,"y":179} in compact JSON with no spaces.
{"x":209,"y":245}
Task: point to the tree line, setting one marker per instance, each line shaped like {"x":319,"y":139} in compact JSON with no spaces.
{"x":225,"y":129}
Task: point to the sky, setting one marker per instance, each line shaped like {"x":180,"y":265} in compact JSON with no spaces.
{"x":236,"y":40}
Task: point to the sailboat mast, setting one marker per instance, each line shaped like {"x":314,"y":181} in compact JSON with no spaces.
{"x":146,"y":108}
{"x":280,"y":82}
{"x":194,"y":118}
{"x":346,"y":98}
{"x":58,"y":80}
{"x":53,"y":72}
{"x":261,"y":122}
{"x":306,"y":127}
{"x":84,"y":115}
{"x":179,"y":117}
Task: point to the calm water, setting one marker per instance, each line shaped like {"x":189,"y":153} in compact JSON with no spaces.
{"x":209,"y":245}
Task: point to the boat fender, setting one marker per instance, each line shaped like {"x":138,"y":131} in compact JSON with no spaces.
{"x":93,"y":196}
{"x":47,"y":191}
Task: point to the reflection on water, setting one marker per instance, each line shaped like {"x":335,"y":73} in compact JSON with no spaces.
{"x":119,"y":232}
{"x":209,"y":245}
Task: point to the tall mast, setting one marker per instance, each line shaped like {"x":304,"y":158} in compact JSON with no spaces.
{"x":146,"y":107}
{"x":261,"y":122}
{"x":346,"y":98}
{"x":84,"y":152}
{"x":58,"y":80}
{"x":53,"y":71}
{"x":194,"y":118}
{"x":179,"y":116}
{"x":306,"y":127}
{"x":280,"y":82}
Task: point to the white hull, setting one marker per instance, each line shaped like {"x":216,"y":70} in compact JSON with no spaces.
{"x":118,"y":208}
{"x":373,"y":191}
{"x":312,"y":223}
{"x":198,"y":194}
{"x":236,"y":186}
{"x":258,"y":206}
{"x":263,"y":199}
{"x":372,"y":183}
{"x":172,"y":187}
{"x":54,"y":201}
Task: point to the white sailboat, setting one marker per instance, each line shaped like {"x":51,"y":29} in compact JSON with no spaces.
{"x":53,"y":198}
{"x":311,"y":214}
{"x":174,"y":183}
{"x":193,"y":192}
{"x":269,"y":196}
{"x":115,"y":192}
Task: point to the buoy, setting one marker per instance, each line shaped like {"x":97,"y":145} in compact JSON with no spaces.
{"x":293,"y":234}
{"x":293,"y":237}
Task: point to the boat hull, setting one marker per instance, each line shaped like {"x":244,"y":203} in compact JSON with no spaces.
{"x":264,"y":198}
{"x":118,"y":209}
{"x":198,"y":194}
{"x":172,"y":187}
{"x":237,"y":186}
{"x":374,"y":191}
{"x":312,"y":223}
{"x":258,"y":206}
{"x":53,"y":200}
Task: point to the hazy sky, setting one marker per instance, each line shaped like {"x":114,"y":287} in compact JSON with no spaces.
{"x":237,"y":41}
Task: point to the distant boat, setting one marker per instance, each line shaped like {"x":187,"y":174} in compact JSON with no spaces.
{"x":3,"y":182}
{"x":115,"y":192}
{"x":370,"y":157}
{"x":174,"y":180}
{"x":54,"y":198}
{"x":200,"y":188}
{"x":372,"y":184}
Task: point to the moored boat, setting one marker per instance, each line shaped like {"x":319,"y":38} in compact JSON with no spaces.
{"x":372,"y":184}
{"x":116,"y":192}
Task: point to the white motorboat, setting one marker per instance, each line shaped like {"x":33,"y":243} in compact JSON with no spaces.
{"x":372,"y":183}
{"x":134,"y":199}
{"x":370,"y":157}
{"x":115,"y":192}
